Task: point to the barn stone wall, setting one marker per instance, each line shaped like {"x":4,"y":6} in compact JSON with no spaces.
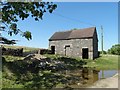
{"x":75,"y":49}
{"x":95,"y":45}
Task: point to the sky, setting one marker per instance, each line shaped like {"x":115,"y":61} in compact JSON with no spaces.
{"x":70,"y":15}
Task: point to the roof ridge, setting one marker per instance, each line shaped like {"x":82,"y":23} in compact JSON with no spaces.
{"x":64,"y":31}
{"x":76,"y":29}
{"x":78,"y":33}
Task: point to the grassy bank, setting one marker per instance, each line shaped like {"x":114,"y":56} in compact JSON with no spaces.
{"x":105,"y":62}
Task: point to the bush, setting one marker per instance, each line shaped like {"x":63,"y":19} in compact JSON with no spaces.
{"x":100,"y":52}
{"x":115,"y":49}
{"x":44,"y":51}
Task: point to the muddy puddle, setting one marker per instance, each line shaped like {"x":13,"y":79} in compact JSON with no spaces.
{"x":86,"y":77}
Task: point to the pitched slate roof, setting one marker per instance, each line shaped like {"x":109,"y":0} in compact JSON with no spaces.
{"x":74,"y":34}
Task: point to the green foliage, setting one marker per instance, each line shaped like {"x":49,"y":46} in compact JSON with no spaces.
{"x":104,"y":52}
{"x":7,"y":83}
{"x":11,"y":11}
{"x":115,"y":49}
{"x":27,"y":35}
{"x":6,"y":41}
{"x":13,"y":58}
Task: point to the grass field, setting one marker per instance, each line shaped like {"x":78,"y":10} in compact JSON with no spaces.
{"x":11,"y":68}
{"x":26,"y":49}
{"x":105,"y":62}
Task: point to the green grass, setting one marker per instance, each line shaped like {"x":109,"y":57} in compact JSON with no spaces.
{"x":7,"y":83}
{"x":9,"y":58}
{"x":105,"y":62}
{"x":52,"y":56}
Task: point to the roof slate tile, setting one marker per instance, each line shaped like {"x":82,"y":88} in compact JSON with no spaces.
{"x":74,"y":34}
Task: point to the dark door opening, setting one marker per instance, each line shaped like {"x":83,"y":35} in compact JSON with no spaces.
{"x":52,"y":49}
{"x":85,"y":53}
{"x":67,"y":50}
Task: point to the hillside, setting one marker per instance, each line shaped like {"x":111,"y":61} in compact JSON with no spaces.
{"x":24,"y":47}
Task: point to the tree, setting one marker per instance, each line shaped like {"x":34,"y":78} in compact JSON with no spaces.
{"x":6,"y":41}
{"x":12,"y":11}
{"x":115,"y":49}
{"x":104,"y":52}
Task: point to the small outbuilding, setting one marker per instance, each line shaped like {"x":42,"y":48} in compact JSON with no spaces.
{"x":81,"y":43}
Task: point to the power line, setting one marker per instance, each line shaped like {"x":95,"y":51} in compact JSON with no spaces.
{"x":73,"y":19}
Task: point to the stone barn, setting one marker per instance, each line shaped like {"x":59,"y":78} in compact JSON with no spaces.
{"x":81,"y":43}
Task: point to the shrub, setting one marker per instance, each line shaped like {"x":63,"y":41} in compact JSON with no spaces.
{"x":115,"y":49}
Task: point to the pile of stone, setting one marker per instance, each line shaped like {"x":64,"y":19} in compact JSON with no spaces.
{"x":43,"y":62}
{"x":35,"y":57}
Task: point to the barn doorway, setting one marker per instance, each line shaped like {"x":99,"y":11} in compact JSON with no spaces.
{"x":67,"y":50}
{"x":84,"y":53}
{"x":52,"y":49}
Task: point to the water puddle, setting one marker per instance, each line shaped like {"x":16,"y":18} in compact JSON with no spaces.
{"x":107,"y":73}
{"x":86,"y":77}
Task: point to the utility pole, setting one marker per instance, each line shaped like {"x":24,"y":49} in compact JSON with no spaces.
{"x":102,"y":39}
{"x":102,"y":47}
